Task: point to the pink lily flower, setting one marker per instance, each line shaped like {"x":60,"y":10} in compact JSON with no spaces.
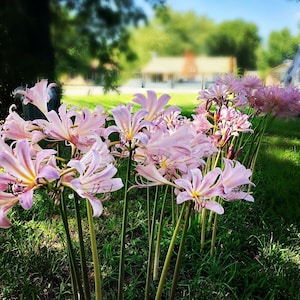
{"x":234,"y":176}
{"x":129,"y":125}
{"x":94,"y":179}
{"x":161,"y":141}
{"x":230,"y":123}
{"x":201,"y":123}
{"x":151,"y":173}
{"x":25,"y":171}
{"x":163,"y":150}
{"x":16,"y":128}
{"x":194,"y":186}
{"x":153,"y":105}
{"x":7,"y":201}
{"x":237,"y":120}
{"x":58,"y":125}
{"x":80,"y":130}
{"x":38,"y":95}
{"x":203,"y":146}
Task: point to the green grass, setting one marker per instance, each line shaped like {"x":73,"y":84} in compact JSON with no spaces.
{"x":279,"y":167}
{"x":187,"y":102}
{"x":257,"y":251}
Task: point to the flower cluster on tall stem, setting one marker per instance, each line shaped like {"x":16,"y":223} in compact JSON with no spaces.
{"x":88,"y":169}
{"x":172,"y":150}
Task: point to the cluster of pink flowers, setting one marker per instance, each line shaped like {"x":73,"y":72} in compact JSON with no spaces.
{"x":249,"y":91}
{"x":167,"y":148}
{"x":27,"y":167}
{"x":170,"y":149}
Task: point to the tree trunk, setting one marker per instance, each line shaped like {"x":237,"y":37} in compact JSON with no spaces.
{"x":26,"y":52}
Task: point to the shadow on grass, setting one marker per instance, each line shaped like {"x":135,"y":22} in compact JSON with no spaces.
{"x":278,"y":177}
{"x":31,"y":270}
{"x":256,"y":258}
{"x":289,"y":128}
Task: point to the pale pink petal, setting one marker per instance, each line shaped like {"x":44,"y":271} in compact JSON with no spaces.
{"x":75,"y":184}
{"x":38,"y":95}
{"x":12,"y":165}
{"x":43,"y":154}
{"x":211,"y":177}
{"x":235,"y":174}
{"x":95,"y":202}
{"x":4,"y":221}
{"x":23,"y":154}
{"x":196,"y":177}
{"x":184,"y":184}
{"x":182,"y":197}
{"x":96,"y":205}
{"x":213,"y":192}
{"x":214,"y":206}
{"x":48,"y":172}
{"x":77,"y":164}
{"x":153,"y":105}
{"x":5,"y":180}
{"x":151,"y":173}
{"x":239,"y":195}
{"x":7,"y":200}
{"x":109,"y":185}
{"x":26,"y":199}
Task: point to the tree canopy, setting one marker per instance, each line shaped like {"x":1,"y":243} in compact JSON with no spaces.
{"x":172,"y":33}
{"x":237,"y":38}
{"x":83,"y":30}
{"x":41,"y":39}
{"x":281,"y":46}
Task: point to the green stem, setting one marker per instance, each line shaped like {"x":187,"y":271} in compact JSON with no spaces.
{"x":211,"y":214}
{"x":84,"y":270}
{"x":97,"y":273}
{"x":159,"y":234}
{"x":203,"y":227}
{"x":151,"y":228}
{"x":150,"y":253}
{"x":77,"y":287}
{"x":148,"y":213}
{"x":174,"y":212}
{"x":74,"y":284}
{"x":216,"y":160}
{"x":169,"y":255}
{"x":215,"y":163}
{"x":123,"y":230}
{"x":180,"y":251}
{"x":214,"y":234}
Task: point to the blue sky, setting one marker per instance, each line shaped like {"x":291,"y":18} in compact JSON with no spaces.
{"x":268,"y":15}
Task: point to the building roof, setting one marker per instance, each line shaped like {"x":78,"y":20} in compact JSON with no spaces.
{"x":204,"y":64}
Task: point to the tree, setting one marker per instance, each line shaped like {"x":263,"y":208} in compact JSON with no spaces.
{"x":96,"y":29}
{"x":26,"y":52}
{"x":170,"y":33}
{"x":236,"y":38}
{"x":186,"y":31}
{"x":44,"y":38}
{"x":281,"y":45}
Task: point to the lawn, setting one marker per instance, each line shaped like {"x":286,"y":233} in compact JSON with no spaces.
{"x":258,"y":244}
{"x":187,"y":102}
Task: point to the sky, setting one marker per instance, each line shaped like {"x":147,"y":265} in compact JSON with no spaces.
{"x":268,"y":15}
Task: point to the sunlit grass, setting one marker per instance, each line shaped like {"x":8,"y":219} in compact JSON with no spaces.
{"x":286,"y":149}
{"x":279,"y":167}
{"x":187,"y":102}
